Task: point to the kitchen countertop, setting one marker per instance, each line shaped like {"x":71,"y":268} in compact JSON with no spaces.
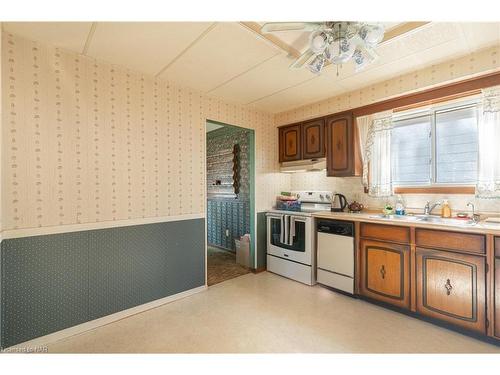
{"x":481,"y":227}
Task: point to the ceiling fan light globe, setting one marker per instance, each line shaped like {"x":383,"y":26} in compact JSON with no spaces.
{"x":317,"y":64}
{"x":341,"y":51}
{"x":372,"y":34}
{"x":318,"y":41}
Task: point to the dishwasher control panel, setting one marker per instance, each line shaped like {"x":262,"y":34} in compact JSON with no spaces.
{"x":341,"y":228}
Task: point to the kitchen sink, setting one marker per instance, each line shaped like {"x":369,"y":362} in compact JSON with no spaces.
{"x":442,"y":220}
{"x":395,"y":217}
{"x":426,"y":219}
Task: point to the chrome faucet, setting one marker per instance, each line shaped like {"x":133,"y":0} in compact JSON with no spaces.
{"x":428,"y":208}
{"x":475,"y":217}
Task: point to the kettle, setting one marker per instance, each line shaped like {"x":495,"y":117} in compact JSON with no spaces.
{"x":339,"y":203}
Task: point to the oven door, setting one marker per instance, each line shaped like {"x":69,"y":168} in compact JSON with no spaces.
{"x":290,"y":237}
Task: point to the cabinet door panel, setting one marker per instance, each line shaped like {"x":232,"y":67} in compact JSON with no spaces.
{"x":451,"y":287}
{"x":339,"y":144}
{"x":496,"y":287}
{"x":340,"y":139}
{"x":290,"y":143}
{"x":385,"y":272}
{"x":497,"y":297}
{"x":313,"y":143}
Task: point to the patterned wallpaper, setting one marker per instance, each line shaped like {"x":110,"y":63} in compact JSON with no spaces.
{"x":220,"y":143}
{"x":481,"y":62}
{"x":477,"y":63}
{"x":85,"y":141}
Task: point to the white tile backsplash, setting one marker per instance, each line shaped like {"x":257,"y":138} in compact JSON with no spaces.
{"x":352,"y":188}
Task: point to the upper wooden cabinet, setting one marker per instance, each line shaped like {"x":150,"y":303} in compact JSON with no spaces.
{"x":385,"y":272}
{"x":452,"y":287}
{"x":313,"y":139}
{"x":290,"y":143}
{"x":342,"y":150}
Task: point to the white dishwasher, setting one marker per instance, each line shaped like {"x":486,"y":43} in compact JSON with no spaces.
{"x":335,"y":261}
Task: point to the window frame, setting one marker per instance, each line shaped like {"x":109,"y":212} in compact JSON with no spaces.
{"x":432,"y":110}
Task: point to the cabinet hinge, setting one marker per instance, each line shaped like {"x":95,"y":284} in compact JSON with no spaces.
{"x":487,"y":323}
{"x":487,"y":268}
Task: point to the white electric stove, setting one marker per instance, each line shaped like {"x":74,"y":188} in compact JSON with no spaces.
{"x":291,"y":239}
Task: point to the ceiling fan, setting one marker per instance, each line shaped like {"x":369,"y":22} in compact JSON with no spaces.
{"x":335,"y":42}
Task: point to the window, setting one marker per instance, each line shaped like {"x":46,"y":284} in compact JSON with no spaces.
{"x":435,"y":147}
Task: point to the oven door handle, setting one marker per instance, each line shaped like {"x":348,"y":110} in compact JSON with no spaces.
{"x":282,"y":228}
{"x":286,"y":222}
{"x":291,"y":232}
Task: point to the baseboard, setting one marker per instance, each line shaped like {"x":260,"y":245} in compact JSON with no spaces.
{"x":259,"y":269}
{"x":87,"y":326}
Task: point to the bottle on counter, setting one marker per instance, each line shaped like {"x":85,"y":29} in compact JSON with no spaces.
{"x":445,"y":209}
{"x":400,"y":206}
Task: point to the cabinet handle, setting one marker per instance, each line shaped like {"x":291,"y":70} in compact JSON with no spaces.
{"x":382,"y":271}
{"x":448,"y":287}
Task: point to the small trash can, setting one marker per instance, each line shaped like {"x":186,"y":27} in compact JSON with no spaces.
{"x":243,"y":250}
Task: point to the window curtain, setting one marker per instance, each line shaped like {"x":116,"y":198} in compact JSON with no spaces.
{"x":364,"y":124}
{"x":375,"y":139}
{"x":488,"y":181}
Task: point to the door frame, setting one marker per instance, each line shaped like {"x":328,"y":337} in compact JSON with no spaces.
{"x":252,"y":192}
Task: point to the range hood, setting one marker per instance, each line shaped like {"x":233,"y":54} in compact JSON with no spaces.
{"x":311,"y":165}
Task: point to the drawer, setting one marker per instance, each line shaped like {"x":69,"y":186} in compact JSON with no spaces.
{"x":439,"y":239}
{"x":383,"y":232}
{"x":497,"y":247}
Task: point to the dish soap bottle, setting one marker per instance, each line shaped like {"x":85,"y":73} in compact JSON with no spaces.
{"x":445,"y":209}
{"x":400,"y":207}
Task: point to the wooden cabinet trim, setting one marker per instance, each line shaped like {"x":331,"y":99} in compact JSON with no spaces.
{"x":496,"y":297}
{"x":386,"y":233}
{"x":470,"y":86}
{"x":497,"y":247}
{"x":448,"y":240}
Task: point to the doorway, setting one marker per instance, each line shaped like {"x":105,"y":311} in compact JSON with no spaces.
{"x":230,"y":194}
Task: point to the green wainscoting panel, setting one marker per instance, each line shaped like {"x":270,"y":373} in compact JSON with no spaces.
{"x":56,"y":281}
{"x":261,"y":239}
{"x":44,"y":285}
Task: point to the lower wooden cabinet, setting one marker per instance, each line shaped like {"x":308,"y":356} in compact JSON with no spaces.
{"x":496,"y":288}
{"x":452,"y":287}
{"x":385,"y":272}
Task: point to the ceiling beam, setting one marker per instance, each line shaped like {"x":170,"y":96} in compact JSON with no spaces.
{"x":190,"y":45}
{"x":402,"y":29}
{"x":89,"y":38}
{"x":288,"y":49}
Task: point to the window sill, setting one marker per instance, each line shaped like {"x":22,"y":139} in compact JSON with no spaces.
{"x":436,"y":190}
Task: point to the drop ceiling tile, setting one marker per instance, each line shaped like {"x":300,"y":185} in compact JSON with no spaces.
{"x":267,"y":78}
{"x":373,"y":74}
{"x":324,"y":86}
{"x":143,"y":46}
{"x":481,"y":34}
{"x":227,"y":50}
{"x":67,"y":35}
{"x":425,"y":37}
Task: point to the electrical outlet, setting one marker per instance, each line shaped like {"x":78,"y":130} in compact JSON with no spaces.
{"x":227,"y":232}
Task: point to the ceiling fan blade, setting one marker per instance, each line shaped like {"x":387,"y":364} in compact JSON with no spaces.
{"x":303,"y":59}
{"x":272,"y":27}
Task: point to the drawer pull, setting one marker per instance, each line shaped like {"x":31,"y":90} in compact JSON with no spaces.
{"x":448,"y":287}
{"x":382,"y":271}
